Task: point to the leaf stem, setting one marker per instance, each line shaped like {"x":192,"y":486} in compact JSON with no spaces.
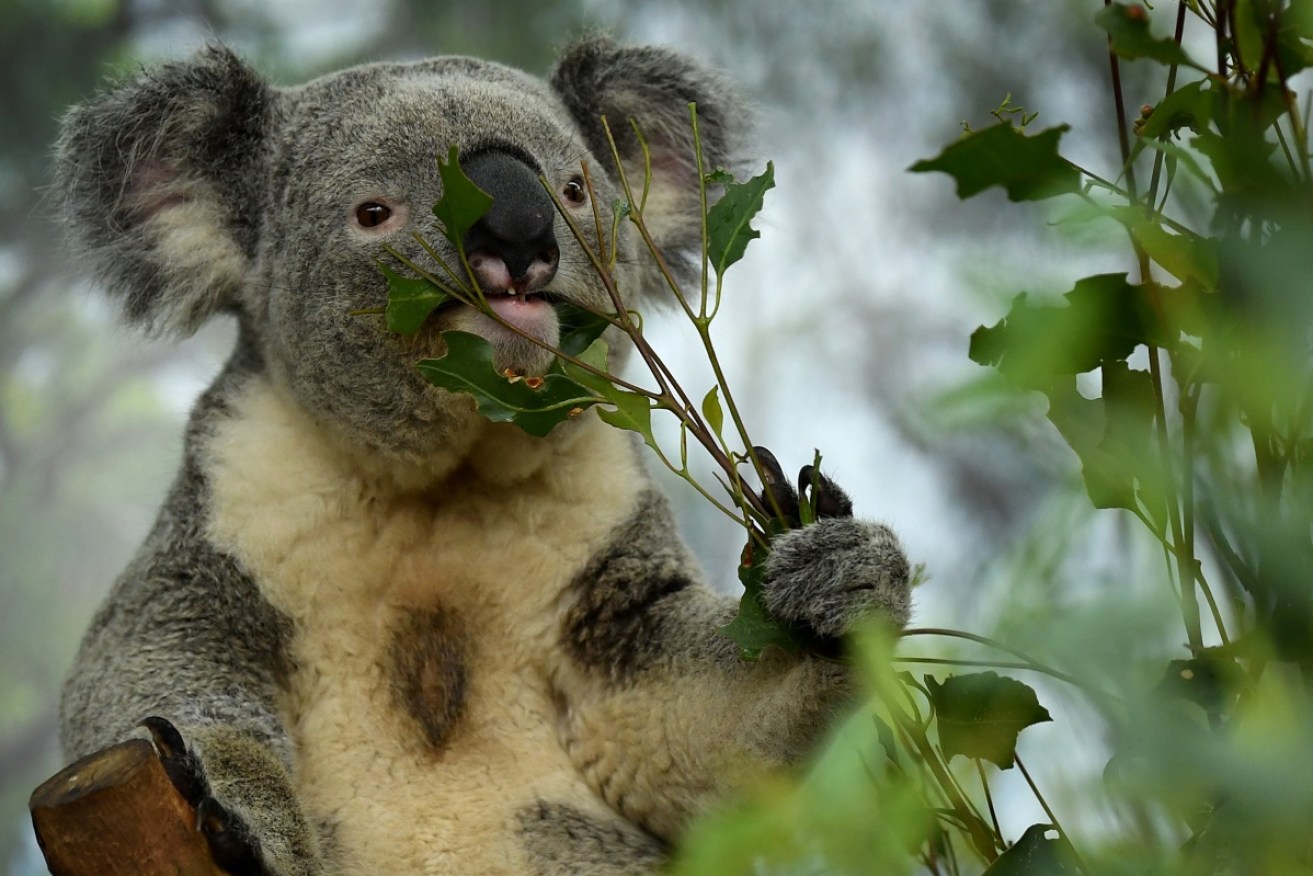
{"x":989,"y":797}
{"x":1171,"y":87}
{"x":672,"y":396}
{"x":704,"y":285}
{"x":1028,"y":661}
{"x":1123,"y":135}
{"x":916,"y":737}
{"x":753,"y":502}
{"x":1053,"y":819}
{"x":1176,"y":514}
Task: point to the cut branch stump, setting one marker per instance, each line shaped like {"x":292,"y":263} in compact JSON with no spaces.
{"x":115,"y":813}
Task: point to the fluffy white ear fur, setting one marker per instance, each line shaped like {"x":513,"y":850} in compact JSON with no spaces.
{"x":201,"y":265}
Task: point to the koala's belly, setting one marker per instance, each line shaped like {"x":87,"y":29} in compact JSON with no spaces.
{"x":396,"y":796}
{"x":420,"y":702}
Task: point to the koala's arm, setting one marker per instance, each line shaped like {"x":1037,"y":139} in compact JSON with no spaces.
{"x":187,"y":648}
{"x":662,"y":716}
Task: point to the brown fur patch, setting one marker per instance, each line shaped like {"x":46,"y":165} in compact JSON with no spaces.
{"x":428,"y":656}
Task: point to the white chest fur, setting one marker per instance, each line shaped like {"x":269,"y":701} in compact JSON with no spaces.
{"x":350,"y":560}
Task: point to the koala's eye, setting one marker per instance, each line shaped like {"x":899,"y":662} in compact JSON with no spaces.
{"x":574,"y":192}
{"x":372,"y":214}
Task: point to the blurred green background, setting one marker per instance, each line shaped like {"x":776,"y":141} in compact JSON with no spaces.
{"x":849,"y":319}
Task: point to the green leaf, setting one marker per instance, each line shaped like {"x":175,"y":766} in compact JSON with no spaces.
{"x":728,"y":228}
{"x":1211,"y":681}
{"x":1242,"y":161}
{"x":1042,"y":348}
{"x":579,"y":328}
{"x":1184,"y":256}
{"x":1083,"y":423}
{"x":1128,"y":29}
{"x":981,"y":714}
{"x":1250,"y":22}
{"x":1104,"y":319}
{"x":753,"y":629}
{"x":1293,"y":39}
{"x":410,"y":301}
{"x":711,"y":410}
{"x":535,"y":404}
{"x":885,"y":734}
{"x":1299,"y":18}
{"x":1035,"y":855}
{"x":629,"y":410}
{"x":1028,"y":168}
{"x":462,"y":203}
{"x":1190,"y":106}
{"x":1249,"y":29}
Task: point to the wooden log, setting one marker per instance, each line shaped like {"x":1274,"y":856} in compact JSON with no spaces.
{"x":115,"y":813}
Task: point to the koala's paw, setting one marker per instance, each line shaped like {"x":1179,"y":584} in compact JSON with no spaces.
{"x":232,"y":844}
{"x":830,"y":575}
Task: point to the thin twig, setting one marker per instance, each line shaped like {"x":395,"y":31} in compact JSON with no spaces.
{"x":989,"y":797}
{"x":1171,"y":87}
{"x":1053,"y":819}
{"x":1029,"y":661}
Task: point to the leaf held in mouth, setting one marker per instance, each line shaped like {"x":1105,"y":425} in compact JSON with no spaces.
{"x":535,"y":405}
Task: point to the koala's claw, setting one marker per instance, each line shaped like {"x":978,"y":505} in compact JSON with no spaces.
{"x":827,"y":497}
{"x":814,"y":489}
{"x":779,"y":493}
{"x":182,"y":766}
{"x":830,"y":575}
{"x":232,"y":845}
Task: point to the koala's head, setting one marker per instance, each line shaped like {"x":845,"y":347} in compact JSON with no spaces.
{"x":199,"y":188}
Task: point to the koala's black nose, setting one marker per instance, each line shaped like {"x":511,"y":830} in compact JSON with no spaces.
{"x":517,"y":230}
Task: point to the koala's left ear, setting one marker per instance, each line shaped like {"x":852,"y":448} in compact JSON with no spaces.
{"x":162,"y":180}
{"x":597,"y":77}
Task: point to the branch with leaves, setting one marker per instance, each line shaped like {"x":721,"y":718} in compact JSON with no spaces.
{"x":1201,"y":357}
{"x":978,"y":715}
{"x":579,"y":378}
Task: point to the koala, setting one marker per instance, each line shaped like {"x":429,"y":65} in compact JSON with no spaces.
{"x":370,"y":631}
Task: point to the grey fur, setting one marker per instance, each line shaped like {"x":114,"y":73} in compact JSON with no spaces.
{"x":190,"y":131}
{"x":562,"y":841}
{"x":185,"y":635}
{"x":804,"y":564}
{"x":620,"y":623}
{"x":198,"y":189}
{"x":647,"y":633}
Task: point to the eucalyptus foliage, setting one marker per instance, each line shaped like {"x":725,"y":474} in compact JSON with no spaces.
{"x":1182,"y":385}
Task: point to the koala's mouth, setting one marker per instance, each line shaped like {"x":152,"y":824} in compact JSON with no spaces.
{"x":509,"y":296}
{"x":530,"y":312}
{"x":518,"y":325}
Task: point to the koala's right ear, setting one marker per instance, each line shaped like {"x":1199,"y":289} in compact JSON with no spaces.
{"x":600,"y":78}
{"x":162,"y":184}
